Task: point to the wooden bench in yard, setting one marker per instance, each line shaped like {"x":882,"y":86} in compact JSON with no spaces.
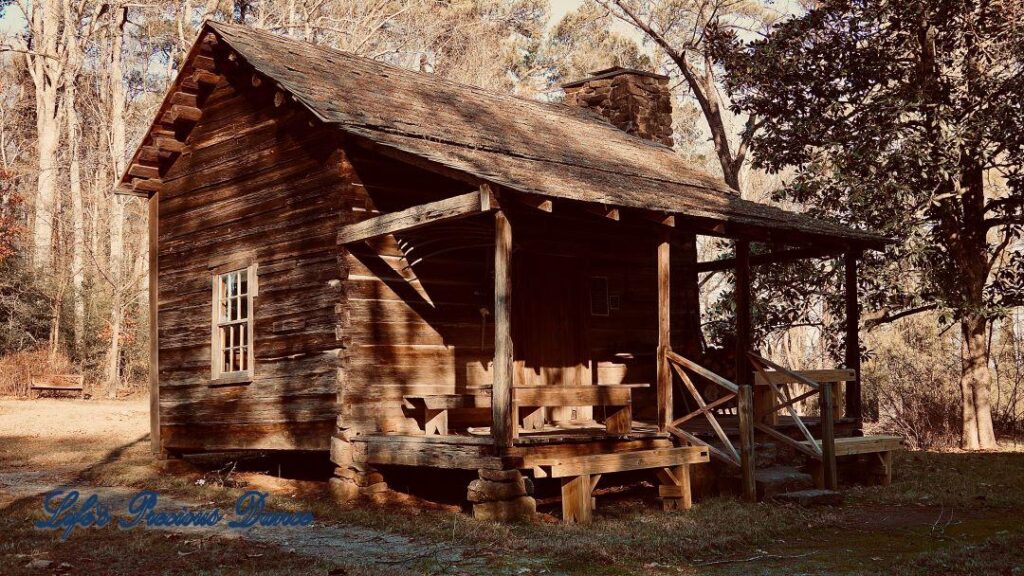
{"x":580,"y":475}
{"x":880,"y":447}
{"x":63,"y":383}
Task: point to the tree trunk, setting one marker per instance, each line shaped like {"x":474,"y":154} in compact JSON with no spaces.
{"x":975,"y":381}
{"x":705,"y":90}
{"x":116,"y":223}
{"x":114,"y":351}
{"x":972,"y":250}
{"x":45,"y":72}
{"x":74,"y":63}
{"x":48,"y":139}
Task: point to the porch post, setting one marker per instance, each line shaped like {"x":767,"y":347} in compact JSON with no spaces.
{"x":502,"y":418}
{"x":154,"y":340}
{"x":664,"y":333}
{"x":744,"y":376}
{"x":853,"y":399}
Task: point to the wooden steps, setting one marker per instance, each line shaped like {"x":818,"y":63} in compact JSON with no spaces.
{"x":811,"y":498}
{"x":879,"y":447}
{"x":865,"y":444}
{"x":777,"y":480}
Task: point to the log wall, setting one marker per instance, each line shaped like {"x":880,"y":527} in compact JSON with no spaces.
{"x":252,"y":181}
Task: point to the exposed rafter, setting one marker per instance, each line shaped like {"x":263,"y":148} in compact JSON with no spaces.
{"x":179,"y":113}
{"x":415,"y":217}
{"x":768,"y":258}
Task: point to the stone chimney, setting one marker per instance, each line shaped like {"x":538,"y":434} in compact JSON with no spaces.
{"x":634,"y":101}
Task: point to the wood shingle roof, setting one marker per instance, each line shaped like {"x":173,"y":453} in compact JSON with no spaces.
{"x":532,"y":147}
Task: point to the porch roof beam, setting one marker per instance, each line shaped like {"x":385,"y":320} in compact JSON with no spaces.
{"x":462,"y":206}
{"x":769,"y":258}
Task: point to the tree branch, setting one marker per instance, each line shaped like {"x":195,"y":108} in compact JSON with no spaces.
{"x":749,"y":129}
{"x":884,"y":316}
{"x":27,"y":52}
{"x":1008,"y":220}
{"x":1000,"y":203}
{"x":998,"y":252}
{"x":702,"y":86}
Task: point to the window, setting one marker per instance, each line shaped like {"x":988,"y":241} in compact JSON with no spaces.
{"x":232,"y":354}
{"x":599,"y":303}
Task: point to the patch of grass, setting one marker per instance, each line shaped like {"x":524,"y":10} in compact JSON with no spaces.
{"x":954,"y":513}
{"x":630,"y":532}
{"x":950,"y":480}
{"x":631,"y":536}
{"x":916,"y":544}
{"x":1002,"y":554}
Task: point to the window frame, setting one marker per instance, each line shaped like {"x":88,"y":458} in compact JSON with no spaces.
{"x":606,"y":311}
{"x":218,"y":270}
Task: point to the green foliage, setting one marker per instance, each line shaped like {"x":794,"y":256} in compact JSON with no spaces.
{"x":783,"y":296}
{"x":898,"y":116}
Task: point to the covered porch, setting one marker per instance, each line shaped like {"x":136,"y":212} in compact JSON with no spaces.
{"x":576,"y":391}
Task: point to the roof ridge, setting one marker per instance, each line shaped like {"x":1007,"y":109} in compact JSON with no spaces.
{"x":575,"y":112}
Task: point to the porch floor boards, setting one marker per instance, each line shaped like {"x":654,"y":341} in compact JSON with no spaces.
{"x":575,"y":432}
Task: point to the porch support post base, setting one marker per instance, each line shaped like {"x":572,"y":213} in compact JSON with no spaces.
{"x":354,"y":482}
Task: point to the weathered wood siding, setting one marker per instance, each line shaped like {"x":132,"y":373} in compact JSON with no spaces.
{"x":410,"y":330}
{"x":251,"y":183}
{"x":620,"y":346}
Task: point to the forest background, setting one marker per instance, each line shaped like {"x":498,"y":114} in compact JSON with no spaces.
{"x":81,"y":79}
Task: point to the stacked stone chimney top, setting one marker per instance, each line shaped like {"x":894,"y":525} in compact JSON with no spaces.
{"x":612,"y":72}
{"x":634,"y":101}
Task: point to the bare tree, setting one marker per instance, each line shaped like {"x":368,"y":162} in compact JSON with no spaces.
{"x":45,"y":62}
{"x":679,"y":29}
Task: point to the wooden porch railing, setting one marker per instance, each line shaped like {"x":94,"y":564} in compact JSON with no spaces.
{"x":680,"y":364}
{"x":823,"y":450}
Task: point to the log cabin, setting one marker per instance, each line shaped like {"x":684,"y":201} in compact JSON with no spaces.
{"x":354,"y":258}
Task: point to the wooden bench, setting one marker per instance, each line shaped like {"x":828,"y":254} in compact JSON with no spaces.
{"x":580,"y":475}
{"x":881,"y":446}
{"x":58,"y":383}
{"x":619,"y":397}
{"x":432,"y":410}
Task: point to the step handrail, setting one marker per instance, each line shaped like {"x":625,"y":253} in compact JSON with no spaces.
{"x":794,"y":375}
{"x":697,"y":368}
{"x":826,"y":448}
{"x":678,"y":363}
{"x":759,"y":364}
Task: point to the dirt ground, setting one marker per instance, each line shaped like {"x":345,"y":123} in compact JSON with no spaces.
{"x":946,"y":513}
